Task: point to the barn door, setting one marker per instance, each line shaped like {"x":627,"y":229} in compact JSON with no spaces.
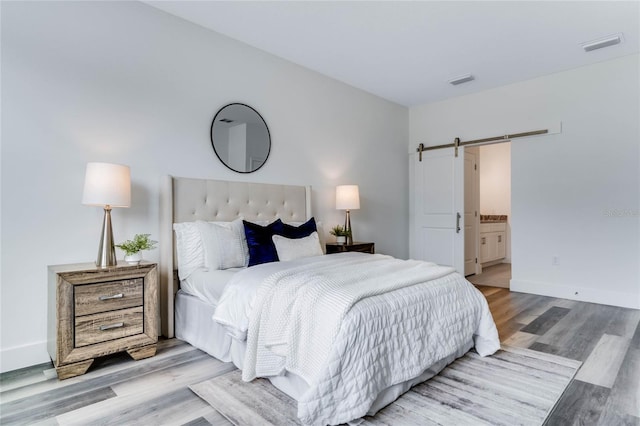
{"x":437,"y":208}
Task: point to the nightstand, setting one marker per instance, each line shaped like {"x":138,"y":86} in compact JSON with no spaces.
{"x":355,"y":246}
{"x":99,"y":311}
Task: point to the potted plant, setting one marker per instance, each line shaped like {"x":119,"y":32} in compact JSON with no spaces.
{"x":340,"y":233}
{"x":132,"y":248}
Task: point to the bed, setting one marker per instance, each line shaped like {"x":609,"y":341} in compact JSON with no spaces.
{"x":275,"y":320}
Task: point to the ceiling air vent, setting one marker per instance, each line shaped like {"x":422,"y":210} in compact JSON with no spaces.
{"x":602,"y":42}
{"x":461,"y":79}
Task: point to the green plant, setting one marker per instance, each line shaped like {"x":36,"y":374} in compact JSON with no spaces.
{"x":339,"y":231}
{"x":140,"y":242}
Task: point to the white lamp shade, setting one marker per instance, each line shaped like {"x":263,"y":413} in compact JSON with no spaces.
{"x":107,"y":184}
{"x":347,"y":197}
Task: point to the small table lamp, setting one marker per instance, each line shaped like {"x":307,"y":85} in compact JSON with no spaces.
{"x":107,"y":185}
{"x":347,"y":198}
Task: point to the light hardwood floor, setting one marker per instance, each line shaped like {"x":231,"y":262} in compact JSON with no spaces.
{"x":119,"y":391}
{"x":495,"y":276}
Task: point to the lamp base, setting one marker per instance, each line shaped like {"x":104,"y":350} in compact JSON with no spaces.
{"x":347,"y":228}
{"x":106,"y":249}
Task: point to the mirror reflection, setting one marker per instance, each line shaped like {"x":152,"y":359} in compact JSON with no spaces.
{"x":240,"y":138}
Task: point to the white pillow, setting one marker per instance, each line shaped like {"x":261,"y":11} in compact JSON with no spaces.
{"x":225,"y":245}
{"x":189,"y":249}
{"x":320,"y":229}
{"x":290,"y":249}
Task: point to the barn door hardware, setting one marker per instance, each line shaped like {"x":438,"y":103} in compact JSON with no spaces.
{"x":457,"y":143}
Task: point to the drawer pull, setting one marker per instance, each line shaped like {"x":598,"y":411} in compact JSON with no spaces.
{"x":110,"y":326}
{"x":115,"y":296}
{"x":484,"y":240}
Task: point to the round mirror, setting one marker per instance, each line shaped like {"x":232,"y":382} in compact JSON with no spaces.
{"x":240,"y":138}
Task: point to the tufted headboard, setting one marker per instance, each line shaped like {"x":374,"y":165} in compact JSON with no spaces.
{"x":187,"y":200}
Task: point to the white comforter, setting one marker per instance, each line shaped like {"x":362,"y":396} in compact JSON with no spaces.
{"x":352,"y":325}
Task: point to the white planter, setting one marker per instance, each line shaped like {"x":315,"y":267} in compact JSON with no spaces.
{"x":133,"y":259}
{"x":341,"y":239}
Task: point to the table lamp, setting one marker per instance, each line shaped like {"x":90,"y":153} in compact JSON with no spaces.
{"x":347,"y":198}
{"x":107,"y":185}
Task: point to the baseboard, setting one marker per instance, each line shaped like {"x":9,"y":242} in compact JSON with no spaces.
{"x":493,"y":262}
{"x":496,"y":285}
{"x":582,"y":294}
{"x":23,"y":356}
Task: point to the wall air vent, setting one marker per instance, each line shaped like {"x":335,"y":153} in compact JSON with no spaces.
{"x":602,"y":42}
{"x":461,"y":79}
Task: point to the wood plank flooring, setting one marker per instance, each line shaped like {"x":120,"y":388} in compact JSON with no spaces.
{"x":118,"y":390}
{"x":498,"y":275}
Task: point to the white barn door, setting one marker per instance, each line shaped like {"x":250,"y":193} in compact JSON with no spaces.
{"x":438,"y":207}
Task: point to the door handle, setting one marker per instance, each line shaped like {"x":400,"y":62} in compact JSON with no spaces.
{"x":458,"y":222}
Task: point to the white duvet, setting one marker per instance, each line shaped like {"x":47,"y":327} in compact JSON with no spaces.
{"x":351,"y":325}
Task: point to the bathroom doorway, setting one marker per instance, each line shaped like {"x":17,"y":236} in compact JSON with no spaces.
{"x":488,"y":214}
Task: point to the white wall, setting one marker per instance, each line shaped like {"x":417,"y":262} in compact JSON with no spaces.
{"x":495,"y":178}
{"x":574,"y":195}
{"x":123,"y":82}
{"x":495,"y":184}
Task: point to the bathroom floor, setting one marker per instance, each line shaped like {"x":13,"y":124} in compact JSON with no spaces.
{"x":494,"y":276}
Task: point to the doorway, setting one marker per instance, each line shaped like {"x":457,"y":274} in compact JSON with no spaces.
{"x":471,"y":211}
{"x":487,"y":187}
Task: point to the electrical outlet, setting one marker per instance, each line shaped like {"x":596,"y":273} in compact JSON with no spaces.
{"x":555,"y":260}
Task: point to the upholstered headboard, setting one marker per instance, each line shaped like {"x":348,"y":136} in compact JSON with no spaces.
{"x":187,"y":199}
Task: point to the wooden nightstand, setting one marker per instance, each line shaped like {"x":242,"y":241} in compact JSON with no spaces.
{"x":99,"y":311}
{"x":355,"y":246}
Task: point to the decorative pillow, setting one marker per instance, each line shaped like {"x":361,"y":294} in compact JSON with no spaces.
{"x":189,"y":249}
{"x":295,"y":248}
{"x":319,"y":229}
{"x":224,"y":244}
{"x":303,"y":230}
{"x":261,"y":248}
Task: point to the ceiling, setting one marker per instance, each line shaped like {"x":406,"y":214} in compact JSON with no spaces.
{"x":407,"y":51}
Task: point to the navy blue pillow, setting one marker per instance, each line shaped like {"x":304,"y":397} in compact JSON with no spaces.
{"x":304,"y":230}
{"x":261,"y":247}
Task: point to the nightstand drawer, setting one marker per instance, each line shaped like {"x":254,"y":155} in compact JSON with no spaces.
{"x":109,"y":296}
{"x":106,"y":326}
